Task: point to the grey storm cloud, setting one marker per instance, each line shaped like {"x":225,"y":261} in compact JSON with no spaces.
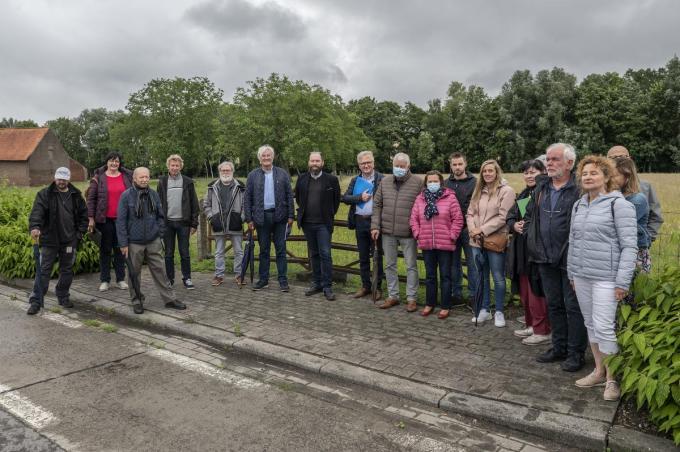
{"x":57,"y":58}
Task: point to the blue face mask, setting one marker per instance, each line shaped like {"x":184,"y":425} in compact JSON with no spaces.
{"x":398,"y":172}
{"x":433,"y":187}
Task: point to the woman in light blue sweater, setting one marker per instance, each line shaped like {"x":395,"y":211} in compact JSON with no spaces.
{"x":601,"y":262}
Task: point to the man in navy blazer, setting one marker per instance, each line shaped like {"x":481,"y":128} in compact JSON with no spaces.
{"x":269,"y":208}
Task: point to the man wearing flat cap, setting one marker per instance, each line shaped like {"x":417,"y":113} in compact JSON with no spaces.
{"x":58,"y":221}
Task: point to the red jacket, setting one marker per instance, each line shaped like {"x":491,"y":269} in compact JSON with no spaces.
{"x":441,"y":231}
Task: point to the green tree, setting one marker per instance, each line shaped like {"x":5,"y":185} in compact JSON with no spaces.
{"x":12,"y":123}
{"x":381,"y":122}
{"x":70,"y":133}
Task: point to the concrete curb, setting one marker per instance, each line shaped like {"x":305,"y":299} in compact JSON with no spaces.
{"x":587,"y":433}
{"x":624,"y":439}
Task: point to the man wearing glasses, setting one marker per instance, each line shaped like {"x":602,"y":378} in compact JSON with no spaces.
{"x":359,"y":219}
{"x":547,"y":223}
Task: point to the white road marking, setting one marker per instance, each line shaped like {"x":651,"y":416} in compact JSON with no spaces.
{"x":21,"y":407}
{"x":206,"y":369}
{"x":62,"y":320}
{"x":410,"y":441}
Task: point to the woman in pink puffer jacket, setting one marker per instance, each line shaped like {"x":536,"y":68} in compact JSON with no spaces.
{"x":436,"y":222}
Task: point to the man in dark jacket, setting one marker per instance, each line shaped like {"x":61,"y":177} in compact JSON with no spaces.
{"x":59,"y":220}
{"x":547,"y":224}
{"x":359,"y":219}
{"x":180,"y":206}
{"x":269,"y":208}
{"x":140,"y":226}
{"x":318,"y":197}
{"x":462,"y":182}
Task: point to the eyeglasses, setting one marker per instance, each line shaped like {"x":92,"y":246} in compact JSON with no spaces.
{"x":365,"y":163}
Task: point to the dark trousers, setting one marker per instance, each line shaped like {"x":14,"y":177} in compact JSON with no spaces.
{"x":265,"y":232}
{"x":48,"y":255}
{"x":318,"y":237}
{"x":175,"y":229}
{"x":568,"y":329}
{"x":366,"y":250}
{"x":438,"y":260}
{"x":110,"y":244}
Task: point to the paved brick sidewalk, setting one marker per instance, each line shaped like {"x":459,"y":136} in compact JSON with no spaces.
{"x":452,"y":354}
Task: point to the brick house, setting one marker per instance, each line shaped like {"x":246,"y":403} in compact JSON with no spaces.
{"x":30,"y":157}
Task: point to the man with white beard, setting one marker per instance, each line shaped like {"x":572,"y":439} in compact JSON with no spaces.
{"x":223,"y":206}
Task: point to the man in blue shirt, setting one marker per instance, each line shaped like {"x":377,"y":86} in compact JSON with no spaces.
{"x":268,"y":208}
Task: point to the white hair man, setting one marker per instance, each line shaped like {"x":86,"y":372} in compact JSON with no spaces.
{"x":390,"y":219}
{"x":547,"y":224}
{"x":223,"y":206}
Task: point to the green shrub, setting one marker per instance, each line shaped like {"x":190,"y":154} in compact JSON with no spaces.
{"x":649,"y":336}
{"x":16,"y":248}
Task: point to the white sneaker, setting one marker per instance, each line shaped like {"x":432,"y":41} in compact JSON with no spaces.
{"x":483,"y":316}
{"x":524,"y":332}
{"x":499,"y":319}
{"x":103,"y":287}
{"x":537,"y":339}
{"x":122,"y":285}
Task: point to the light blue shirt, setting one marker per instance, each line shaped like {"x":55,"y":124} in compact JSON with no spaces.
{"x":367,"y":208}
{"x":269,"y":199}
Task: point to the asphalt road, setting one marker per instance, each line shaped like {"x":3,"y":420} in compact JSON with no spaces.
{"x":66,"y":385}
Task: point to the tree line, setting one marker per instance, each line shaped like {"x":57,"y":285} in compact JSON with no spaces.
{"x":639,"y":109}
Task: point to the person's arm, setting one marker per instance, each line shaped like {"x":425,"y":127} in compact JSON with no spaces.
{"x":81,"y":215}
{"x":92,"y":194}
{"x":122,"y":220}
{"x":626,"y":231}
{"x":289,"y":198}
{"x":572,"y":241}
{"x":207,"y":203}
{"x":348,"y":197}
{"x":376,"y":217}
{"x":513,"y":217}
{"x":414,"y":220}
{"x":336,"y":195}
{"x":655,"y":219}
{"x":248,"y":199}
{"x":193,"y":201}
{"x":38,"y":214}
{"x":456,"y":219}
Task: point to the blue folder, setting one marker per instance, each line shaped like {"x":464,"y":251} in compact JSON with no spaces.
{"x":361,"y":185}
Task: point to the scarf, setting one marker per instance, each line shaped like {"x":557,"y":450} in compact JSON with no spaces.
{"x":431,"y":200}
{"x":143,"y":197}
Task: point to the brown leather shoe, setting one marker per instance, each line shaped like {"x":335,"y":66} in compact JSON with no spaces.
{"x":411,"y":306}
{"x":444,"y":313}
{"x":427,"y":311}
{"x":388,"y":303}
{"x":217,"y":280}
{"x":361,"y":293}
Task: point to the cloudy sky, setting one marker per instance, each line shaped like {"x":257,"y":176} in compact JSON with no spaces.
{"x":59,"y":57}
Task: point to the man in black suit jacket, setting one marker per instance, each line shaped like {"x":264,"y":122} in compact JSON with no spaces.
{"x":317,"y":194}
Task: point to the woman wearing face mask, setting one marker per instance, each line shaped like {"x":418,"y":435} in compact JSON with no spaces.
{"x":436,"y":222}
{"x":223,"y":206}
{"x":601,"y":262}
{"x":491,"y":201}
{"x":523,"y":273}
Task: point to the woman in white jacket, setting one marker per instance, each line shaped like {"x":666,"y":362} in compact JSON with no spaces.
{"x":601,"y":261}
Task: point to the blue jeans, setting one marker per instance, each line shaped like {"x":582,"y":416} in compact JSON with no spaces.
{"x":264,"y":238}
{"x":318,"y":237}
{"x":109,"y":244}
{"x":463,"y":244}
{"x":177,"y":229}
{"x":494,"y":263}
{"x":442,"y":260}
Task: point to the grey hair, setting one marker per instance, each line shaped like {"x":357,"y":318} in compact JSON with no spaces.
{"x":403,"y":157}
{"x":568,"y":152}
{"x":225,"y":164}
{"x":317,"y":153}
{"x":264,"y":147}
{"x":363,"y":154}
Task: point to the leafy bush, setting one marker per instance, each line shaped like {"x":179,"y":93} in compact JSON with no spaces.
{"x":649,"y":336}
{"x":16,"y":248}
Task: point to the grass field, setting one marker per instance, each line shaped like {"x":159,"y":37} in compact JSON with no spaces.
{"x":666,"y":249}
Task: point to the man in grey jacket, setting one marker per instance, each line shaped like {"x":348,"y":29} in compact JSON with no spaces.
{"x":223,"y":207}
{"x":655,"y":218}
{"x":392,"y":206}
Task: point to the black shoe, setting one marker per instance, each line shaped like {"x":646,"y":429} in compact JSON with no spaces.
{"x":176,"y":305}
{"x":260,"y":285}
{"x":328,"y":293}
{"x":313,"y":290}
{"x":66,"y":303}
{"x":573,"y":363}
{"x":138,"y":308}
{"x":551,"y":356}
{"x":284,"y":286}
{"x":33,"y":309}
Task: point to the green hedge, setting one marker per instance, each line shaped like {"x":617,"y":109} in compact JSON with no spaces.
{"x":16,"y":248}
{"x":649,"y":336}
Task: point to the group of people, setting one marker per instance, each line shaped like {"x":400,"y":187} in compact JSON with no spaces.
{"x":570,"y":242}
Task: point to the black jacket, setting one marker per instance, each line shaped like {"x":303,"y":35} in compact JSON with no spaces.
{"x":330,"y":197}
{"x":538,"y":217}
{"x":463,"y":189}
{"x":190,"y":208}
{"x":47,"y":217}
{"x":353,"y":200}
{"x":517,"y":255}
